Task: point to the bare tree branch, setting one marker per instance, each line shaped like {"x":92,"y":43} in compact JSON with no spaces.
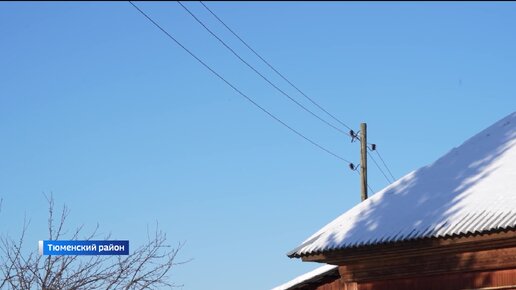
{"x":146,"y":268}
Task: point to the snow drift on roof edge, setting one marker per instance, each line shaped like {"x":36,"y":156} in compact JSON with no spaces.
{"x":470,"y":189}
{"x":305,"y":277}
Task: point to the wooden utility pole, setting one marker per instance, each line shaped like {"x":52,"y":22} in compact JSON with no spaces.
{"x":363,"y":160}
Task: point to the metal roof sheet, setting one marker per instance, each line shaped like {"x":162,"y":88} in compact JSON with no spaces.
{"x":309,"y":277}
{"x":471,"y":189}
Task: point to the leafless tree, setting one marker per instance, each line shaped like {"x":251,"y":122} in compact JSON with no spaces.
{"x":147,"y":267}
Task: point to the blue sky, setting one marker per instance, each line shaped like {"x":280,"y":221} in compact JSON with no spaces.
{"x":99,"y":108}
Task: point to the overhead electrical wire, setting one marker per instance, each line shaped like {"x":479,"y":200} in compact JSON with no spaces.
{"x":384,"y":164}
{"x":258,"y":72}
{"x":374,"y":148}
{"x":282,"y":76}
{"x":234,"y":87}
{"x":379,"y":168}
{"x":273,"y":68}
{"x":268,"y":81}
{"x":354,"y":136}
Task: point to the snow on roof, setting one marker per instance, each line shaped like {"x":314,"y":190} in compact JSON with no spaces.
{"x":321,"y":271}
{"x":471,"y":189}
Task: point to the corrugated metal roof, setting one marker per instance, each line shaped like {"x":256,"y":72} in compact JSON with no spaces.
{"x":321,"y":272}
{"x":471,"y":189}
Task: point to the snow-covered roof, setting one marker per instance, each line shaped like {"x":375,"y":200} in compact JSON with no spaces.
{"x":471,"y":189}
{"x":307,"y":277}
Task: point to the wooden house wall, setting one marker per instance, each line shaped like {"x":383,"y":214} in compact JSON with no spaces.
{"x":501,"y":279}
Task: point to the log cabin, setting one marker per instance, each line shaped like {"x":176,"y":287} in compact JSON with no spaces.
{"x":448,"y":225}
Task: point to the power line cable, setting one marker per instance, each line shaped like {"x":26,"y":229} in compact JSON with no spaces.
{"x":235,"y":88}
{"x":387,"y":167}
{"x":379,"y":168}
{"x":273,"y":68}
{"x":258,"y":72}
{"x":284,"y":78}
{"x":241,"y":93}
{"x":266,"y":79}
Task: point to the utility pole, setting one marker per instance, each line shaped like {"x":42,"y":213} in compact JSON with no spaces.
{"x":363,"y":160}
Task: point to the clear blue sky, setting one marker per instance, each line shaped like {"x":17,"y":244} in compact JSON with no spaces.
{"x":98,"y":107}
